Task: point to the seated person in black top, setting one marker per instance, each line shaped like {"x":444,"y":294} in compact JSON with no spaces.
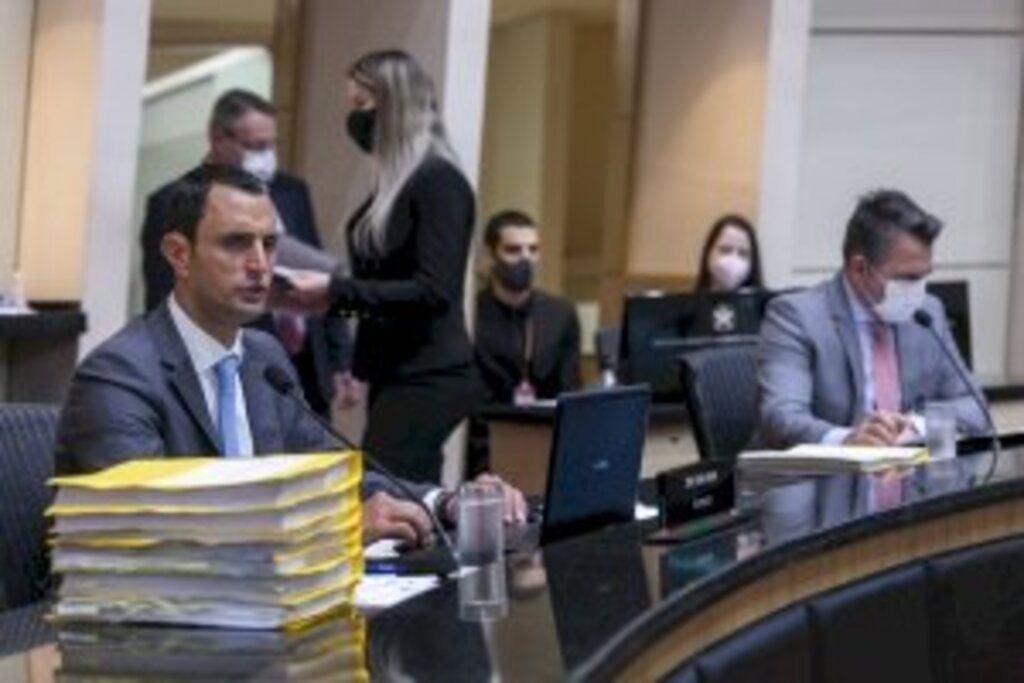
{"x":527,"y":341}
{"x":730,"y":259}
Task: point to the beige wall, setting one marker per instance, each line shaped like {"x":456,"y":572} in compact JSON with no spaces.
{"x":525,"y":130}
{"x":592,"y":91}
{"x":59,"y":148}
{"x":698,"y":127}
{"x":549,"y":98}
{"x":15,"y":51}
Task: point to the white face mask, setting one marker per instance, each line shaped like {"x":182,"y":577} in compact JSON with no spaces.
{"x":900,"y":300}
{"x":729,"y":270}
{"x":262,"y":164}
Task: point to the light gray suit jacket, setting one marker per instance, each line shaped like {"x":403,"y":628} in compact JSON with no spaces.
{"x":811,"y":373}
{"x":137,"y":395}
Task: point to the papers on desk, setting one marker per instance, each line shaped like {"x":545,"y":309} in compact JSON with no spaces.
{"x":234,"y":543}
{"x":822,"y":458}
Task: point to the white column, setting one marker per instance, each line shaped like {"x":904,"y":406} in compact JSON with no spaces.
{"x":15,"y":54}
{"x":778,"y":201}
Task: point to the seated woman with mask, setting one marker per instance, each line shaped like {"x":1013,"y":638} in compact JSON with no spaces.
{"x":730,"y":259}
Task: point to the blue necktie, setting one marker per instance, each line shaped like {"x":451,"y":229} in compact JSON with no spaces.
{"x":227,"y":416}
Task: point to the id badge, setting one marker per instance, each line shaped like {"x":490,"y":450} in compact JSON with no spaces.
{"x":524,"y":394}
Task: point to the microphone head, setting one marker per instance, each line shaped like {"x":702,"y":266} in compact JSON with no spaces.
{"x":279,"y":379}
{"x":923,"y":318}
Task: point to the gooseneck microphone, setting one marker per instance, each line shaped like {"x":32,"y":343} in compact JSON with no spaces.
{"x":924,"y":319}
{"x":283,"y":384}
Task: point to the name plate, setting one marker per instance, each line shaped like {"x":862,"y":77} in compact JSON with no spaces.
{"x":690,"y":493}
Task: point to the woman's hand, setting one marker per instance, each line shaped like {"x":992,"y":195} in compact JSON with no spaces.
{"x":300,"y":291}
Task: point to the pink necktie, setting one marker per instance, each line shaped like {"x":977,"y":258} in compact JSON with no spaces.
{"x":885,"y":368}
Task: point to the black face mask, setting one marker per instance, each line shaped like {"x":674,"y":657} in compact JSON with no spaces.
{"x":516,"y":276}
{"x":362,"y":127}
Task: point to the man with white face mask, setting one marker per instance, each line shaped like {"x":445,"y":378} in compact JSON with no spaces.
{"x":844,"y":362}
{"x":242,"y":132}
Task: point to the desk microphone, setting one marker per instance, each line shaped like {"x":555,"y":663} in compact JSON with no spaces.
{"x":924,"y":319}
{"x":283,"y":384}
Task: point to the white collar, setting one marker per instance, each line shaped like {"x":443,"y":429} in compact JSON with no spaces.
{"x":203,"y":349}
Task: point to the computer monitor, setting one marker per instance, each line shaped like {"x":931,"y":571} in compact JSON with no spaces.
{"x":658,"y":327}
{"x":955,"y":298}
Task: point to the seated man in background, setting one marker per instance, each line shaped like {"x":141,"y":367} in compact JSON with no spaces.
{"x":844,"y":362}
{"x":187,"y":379}
{"x":242,"y":132}
{"x":527,"y":341}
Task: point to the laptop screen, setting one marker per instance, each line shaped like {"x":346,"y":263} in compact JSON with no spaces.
{"x":596,"y":453}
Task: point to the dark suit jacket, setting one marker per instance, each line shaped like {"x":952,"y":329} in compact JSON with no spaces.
{"x":409,"y":298}
{"x":137,"y":395}
{"x":327,"y":339}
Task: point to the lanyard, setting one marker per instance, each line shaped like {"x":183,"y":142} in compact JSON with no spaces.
{"x":528,"y":346}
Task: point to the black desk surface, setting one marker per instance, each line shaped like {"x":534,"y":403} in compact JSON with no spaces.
{"x":582,"y":604}
{"x":46,"y":322}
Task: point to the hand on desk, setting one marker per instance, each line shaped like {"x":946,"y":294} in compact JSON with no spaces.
{"x":387,"y":517}
{"x":515,"y":509}
{"x":881,"y":429}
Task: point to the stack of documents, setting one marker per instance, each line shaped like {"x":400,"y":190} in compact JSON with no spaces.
{"x":331,"y":649}
{"x":822,"y":458}
{"x":258,"y":543}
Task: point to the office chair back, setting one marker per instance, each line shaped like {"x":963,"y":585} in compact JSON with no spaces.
{"x":27,"y":436}
{"x":720,"y":387}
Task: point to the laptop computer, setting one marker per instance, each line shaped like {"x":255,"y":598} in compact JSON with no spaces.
{"x":593,"y":473}
{"x":594,"y":465}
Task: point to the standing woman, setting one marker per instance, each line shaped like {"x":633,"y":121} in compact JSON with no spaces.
{"x":409,"y":247}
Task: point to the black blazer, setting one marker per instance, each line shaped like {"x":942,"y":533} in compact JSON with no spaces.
{"x":328,"y":338}
{"x":409,"y":298}
{"x":500,"y":354}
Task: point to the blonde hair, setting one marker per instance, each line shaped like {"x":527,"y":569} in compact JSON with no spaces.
{"x":408,"y":130}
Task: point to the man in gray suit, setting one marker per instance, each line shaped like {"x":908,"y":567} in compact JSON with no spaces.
{"x":844,"y":362}
{"x":188,"y":380}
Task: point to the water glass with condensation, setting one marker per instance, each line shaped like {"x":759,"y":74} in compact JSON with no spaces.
{"x":940,"y":430}
{"x":481,"y":529}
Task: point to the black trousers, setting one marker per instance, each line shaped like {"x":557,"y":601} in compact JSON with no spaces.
{"x":409,"y":419}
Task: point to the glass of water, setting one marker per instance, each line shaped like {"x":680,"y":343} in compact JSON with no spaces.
{"x":940,"y":428}
{"x":481,"y":529}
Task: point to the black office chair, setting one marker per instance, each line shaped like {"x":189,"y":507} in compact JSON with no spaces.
{"x":720,"y":385}
{"x":27,"y":434}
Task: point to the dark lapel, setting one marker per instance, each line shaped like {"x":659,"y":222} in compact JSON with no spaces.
{"x":842,"y":317}
{"x":260,"y":401}
{"x":181,"y":374}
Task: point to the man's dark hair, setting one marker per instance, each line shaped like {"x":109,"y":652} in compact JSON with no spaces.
{"x":502,"y":220}
{"x":187,"y":198}
{"x":233,"y":105}
{"x":879,"y":217}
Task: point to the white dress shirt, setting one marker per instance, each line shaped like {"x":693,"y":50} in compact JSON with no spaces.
{"x":205,"y":352}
